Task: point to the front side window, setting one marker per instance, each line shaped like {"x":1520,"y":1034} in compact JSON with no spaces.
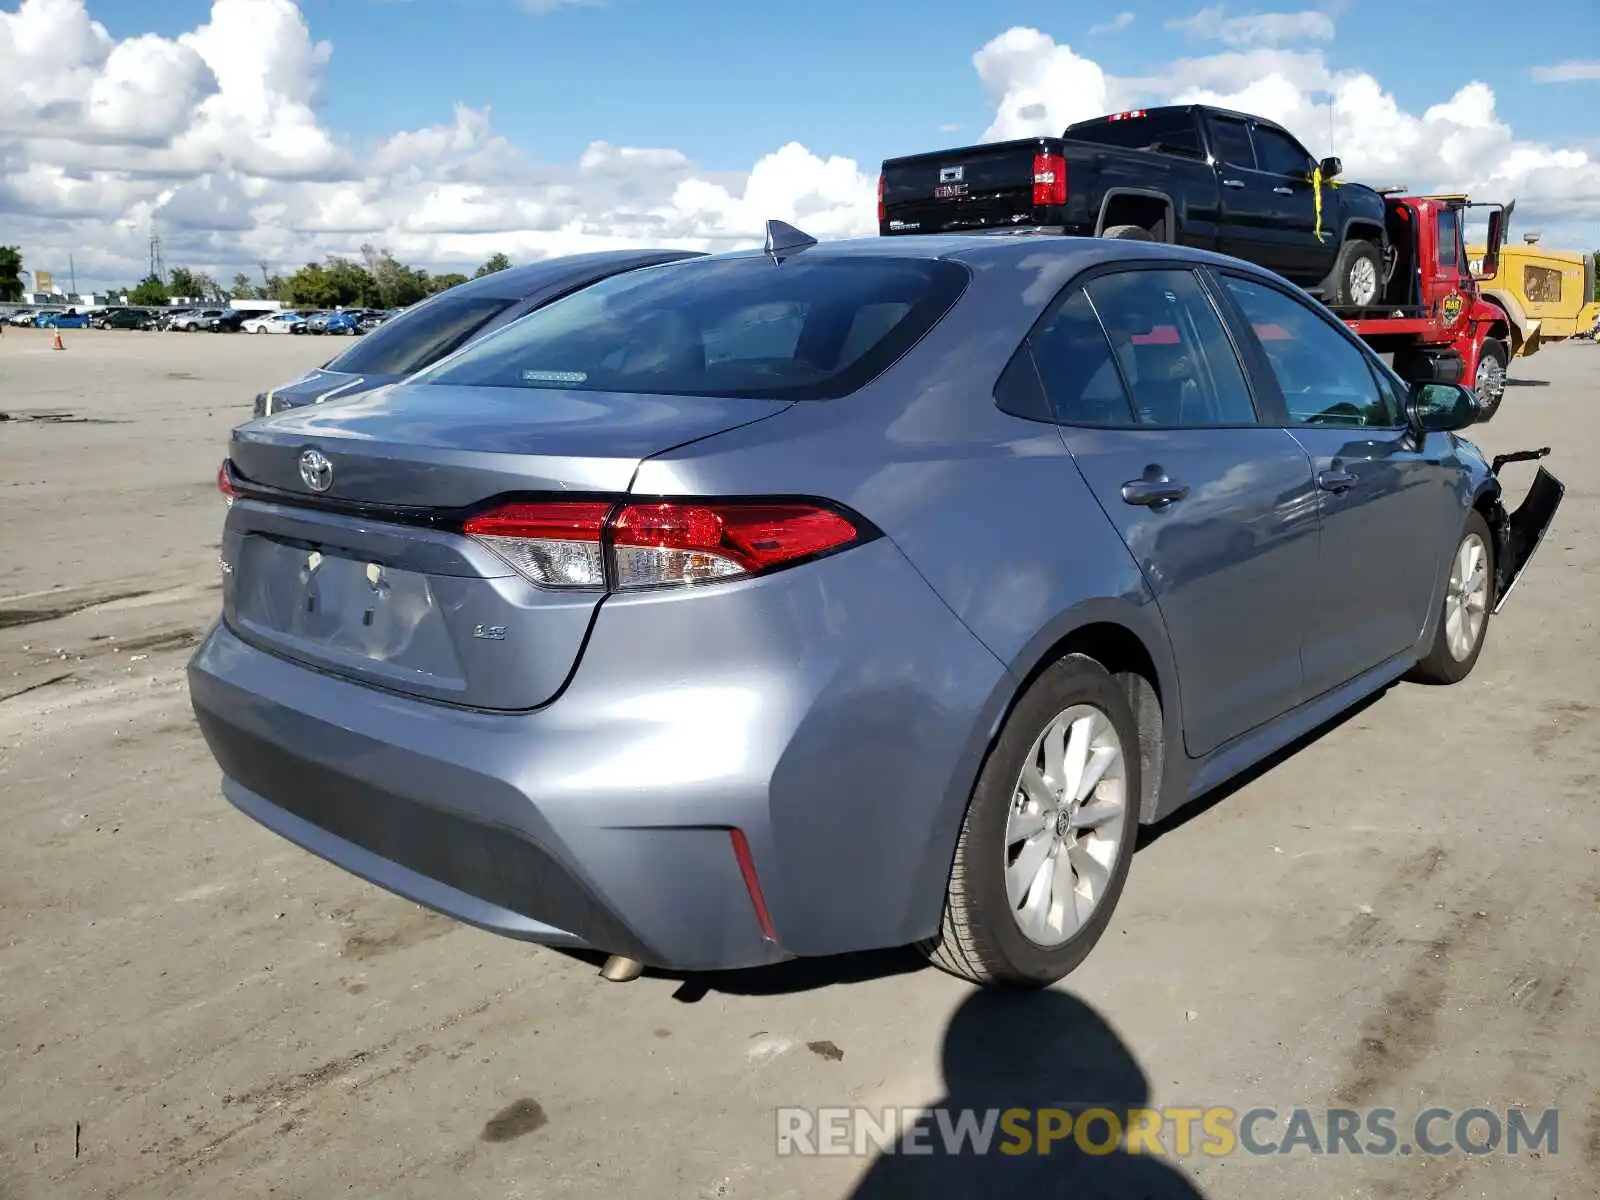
{"x":1279,"y":154}
{"x":1173,"y":351}
{"x":1325,"y":379}
{"x":1230,"y":143}
{"x":802,"y":329}
{"x":1450,"y":253}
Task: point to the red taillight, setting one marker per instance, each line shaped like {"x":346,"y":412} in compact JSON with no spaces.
{"x":1049,"y":179}
{"x":883,"y":211}
{"x":225,"y":485}
{"x":566,"y":544}
{"x":554,"y":544}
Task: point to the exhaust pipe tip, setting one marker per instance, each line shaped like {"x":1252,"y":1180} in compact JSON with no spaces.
{"x":621,"y":970}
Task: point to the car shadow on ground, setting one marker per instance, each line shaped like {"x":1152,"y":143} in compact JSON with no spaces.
{"x":810,"y":974}
{"x":1527,"y":383}
{"x":1034,"y":1051}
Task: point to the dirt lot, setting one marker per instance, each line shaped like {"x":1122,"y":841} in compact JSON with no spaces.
{"x":1401,"y":914}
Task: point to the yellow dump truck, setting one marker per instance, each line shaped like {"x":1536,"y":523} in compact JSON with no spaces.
{"x":1546,"y":295}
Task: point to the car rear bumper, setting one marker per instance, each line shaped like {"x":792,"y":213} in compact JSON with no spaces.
{"x":833,"y":715}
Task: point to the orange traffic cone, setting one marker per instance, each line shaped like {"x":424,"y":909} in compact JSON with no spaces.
{"x":59,"y":344}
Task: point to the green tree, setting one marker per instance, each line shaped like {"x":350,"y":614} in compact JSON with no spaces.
{"x":439,"y":283}
{"x":398,"y":285}
{"x":184,"y":282}
{"x":10,"y":272}
{"x":496,"y":262}
{"x":243,"y":289}
{"x":150,"y":292}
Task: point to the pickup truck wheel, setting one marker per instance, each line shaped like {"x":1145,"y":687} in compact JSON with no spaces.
{"x":1468,"y":598}
{"x":1356,"y":275}
{"x":1132,"y":233}
{"x":1048,"y":836}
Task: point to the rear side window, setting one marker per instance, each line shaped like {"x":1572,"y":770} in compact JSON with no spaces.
{"x":1166,"y":133}
{"x":803,"y":329}
{"x":1173,"y":350}
{"x":420,"y":337}
{"x":1077,"y":369}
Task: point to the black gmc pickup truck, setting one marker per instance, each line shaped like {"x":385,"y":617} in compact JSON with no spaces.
{"x":1193,"y":174}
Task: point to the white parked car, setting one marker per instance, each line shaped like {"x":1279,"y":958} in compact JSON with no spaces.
{"x":273,"y":323}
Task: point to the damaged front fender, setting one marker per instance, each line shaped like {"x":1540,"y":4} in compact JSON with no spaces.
{"x":1520,"y":533}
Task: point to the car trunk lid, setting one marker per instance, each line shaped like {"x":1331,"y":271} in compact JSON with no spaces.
{"x":371,"y":579}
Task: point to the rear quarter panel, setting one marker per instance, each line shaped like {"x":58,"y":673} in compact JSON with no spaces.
{"x":990,"y":509}
{"x":1190,"y":185}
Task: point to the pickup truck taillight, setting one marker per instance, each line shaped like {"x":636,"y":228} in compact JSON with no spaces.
{"x":1049,"y":179}
{"x":882,"y":212}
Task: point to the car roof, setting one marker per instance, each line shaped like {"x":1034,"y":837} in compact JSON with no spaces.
{"x":517,"y":283}
{"x":979,"y":249}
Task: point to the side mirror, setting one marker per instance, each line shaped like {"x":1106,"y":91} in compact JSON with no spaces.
{"x":1331,"y":168}
{"x":1441,"y":408}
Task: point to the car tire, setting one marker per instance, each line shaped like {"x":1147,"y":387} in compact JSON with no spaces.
{"x":1357,"y":280}
{"x":1451,"y":656}
{"x":1493,"y":360}
{"x":1129,"y":233}
{"x":984,"y":935}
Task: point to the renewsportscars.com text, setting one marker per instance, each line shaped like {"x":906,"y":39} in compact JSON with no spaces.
{"x":1175,"y":1131}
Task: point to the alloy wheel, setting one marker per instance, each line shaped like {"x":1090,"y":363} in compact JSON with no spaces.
{"x":1066,"y":823}
{"x":1466,"y":602}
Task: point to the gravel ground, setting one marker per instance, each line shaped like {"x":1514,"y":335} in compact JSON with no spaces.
{"x":1400,"y":914}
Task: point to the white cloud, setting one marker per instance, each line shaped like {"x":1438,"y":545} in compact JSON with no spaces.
{"x":1571,"y":71}
{"x":1116,"y":25}
{"x":215,"y":138}
{"x":1271,"y":29}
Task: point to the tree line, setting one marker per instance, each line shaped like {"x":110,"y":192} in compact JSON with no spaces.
{"x":375,"y":280}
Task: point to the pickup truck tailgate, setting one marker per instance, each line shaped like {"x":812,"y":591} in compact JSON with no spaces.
{"x":971,"y":187}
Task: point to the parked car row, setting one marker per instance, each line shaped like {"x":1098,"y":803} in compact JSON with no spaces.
{"x":349,"y":321}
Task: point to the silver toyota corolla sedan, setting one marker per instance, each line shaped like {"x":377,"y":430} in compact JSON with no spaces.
{"x":837,"y":596}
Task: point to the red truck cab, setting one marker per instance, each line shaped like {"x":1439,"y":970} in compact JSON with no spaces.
{"x":1432,"y":319}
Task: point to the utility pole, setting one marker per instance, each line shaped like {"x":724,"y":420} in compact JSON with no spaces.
{"x":72,"y":272}
{"x":158,"y":268}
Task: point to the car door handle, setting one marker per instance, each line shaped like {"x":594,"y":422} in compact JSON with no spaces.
{"x":1284,"y":191}
{"x":1336,"y":480}
{"x":1153,"y":490}
{"x":1233,"y":183}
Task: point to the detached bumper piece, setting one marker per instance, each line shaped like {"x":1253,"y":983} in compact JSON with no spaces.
{"x":1521,"y":533}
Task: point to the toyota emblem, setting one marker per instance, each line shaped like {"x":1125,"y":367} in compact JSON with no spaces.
{"x":315,"y":470}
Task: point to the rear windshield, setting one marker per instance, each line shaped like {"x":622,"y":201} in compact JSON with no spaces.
{"x":795,"y":330}
{"x":1166,"y":133}
{"x":421,"y":336}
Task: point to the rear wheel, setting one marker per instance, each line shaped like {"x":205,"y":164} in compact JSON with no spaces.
{"x":1132,"y":233}
{"x":1048,"y":836}
{"x":1468,"y":597}
{"x":1490,"y":379}
{"x":1356,"y":275}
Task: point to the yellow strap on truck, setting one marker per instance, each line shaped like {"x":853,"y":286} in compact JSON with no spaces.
{"x":1316,"y":195}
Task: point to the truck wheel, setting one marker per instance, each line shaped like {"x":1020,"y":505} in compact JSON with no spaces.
{"x":1131,"y":233}
{"x":1356,"y":275}
{"x":1490,"y":381}
{"x":1048,"y":836}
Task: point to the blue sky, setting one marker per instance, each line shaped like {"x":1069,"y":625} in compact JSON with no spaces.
{"x":448,"y":130}
{"x":725,"y":82}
